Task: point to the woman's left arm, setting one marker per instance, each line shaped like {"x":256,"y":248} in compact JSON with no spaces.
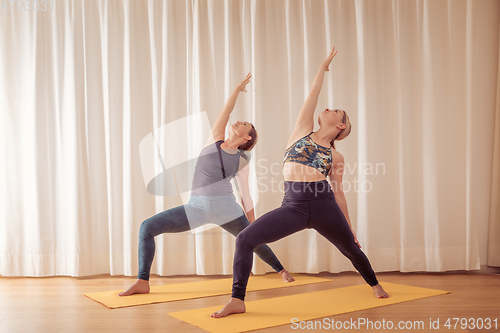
{"x":336,"y":174}
{"x":219,"y":127}
{"x":246,"y":198}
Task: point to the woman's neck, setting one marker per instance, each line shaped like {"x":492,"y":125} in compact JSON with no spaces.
{"x":325,"y":135}
{"x":230,"y":143}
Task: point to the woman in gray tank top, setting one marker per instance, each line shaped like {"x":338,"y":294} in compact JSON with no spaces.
{"x":212,"y":199}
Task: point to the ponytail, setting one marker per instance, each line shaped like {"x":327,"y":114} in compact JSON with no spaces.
{"x":332,"y":143}
{"x":250,"y":143}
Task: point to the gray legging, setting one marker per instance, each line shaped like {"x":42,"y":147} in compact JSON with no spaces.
{"x":200,"y":210}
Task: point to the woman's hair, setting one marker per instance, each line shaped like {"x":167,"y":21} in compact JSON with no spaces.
{"x":250,"y":143}
{"x":343,"y":133}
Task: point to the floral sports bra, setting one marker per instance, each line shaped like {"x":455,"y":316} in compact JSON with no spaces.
{"x":306,"y":151}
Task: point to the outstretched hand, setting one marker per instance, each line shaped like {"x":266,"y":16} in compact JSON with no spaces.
{"x":329,"y":59}
{"x":242,"y":85}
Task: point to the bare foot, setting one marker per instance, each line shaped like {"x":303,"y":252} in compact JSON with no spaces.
{"x":139,"y":287}
{"x":235,"y":305}
{"x":380,"y":292}
{"x":286,"y":276}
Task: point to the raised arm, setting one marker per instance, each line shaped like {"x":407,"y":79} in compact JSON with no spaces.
{"x":305,"y":121}
{"x":335,"y":177}
{"x":219,"y":128}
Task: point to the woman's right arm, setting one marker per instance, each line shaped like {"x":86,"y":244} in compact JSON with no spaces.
{"x":244,"y":189}
{"x":335,"y":177}
{"x":305,"y":121}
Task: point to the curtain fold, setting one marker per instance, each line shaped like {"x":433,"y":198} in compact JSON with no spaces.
{"x":494,"y":221}
{"x":85,"y":86}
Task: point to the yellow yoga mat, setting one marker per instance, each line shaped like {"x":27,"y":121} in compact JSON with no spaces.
{"x":295,"y":310}
{"x":183,"y":291}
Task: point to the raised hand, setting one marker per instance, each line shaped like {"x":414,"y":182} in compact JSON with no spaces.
{"x":328,"y":60}
{"x":242,"y":85}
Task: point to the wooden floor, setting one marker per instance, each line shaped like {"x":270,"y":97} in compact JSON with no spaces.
{"x":57,"y":304}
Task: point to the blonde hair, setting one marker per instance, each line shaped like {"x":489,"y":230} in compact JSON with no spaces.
{"x":343,"y":133}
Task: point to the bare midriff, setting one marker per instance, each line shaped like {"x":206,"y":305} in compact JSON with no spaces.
{"x":296,"y":172}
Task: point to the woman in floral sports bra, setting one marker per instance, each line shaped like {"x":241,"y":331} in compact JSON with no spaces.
{"x":310,"y":201}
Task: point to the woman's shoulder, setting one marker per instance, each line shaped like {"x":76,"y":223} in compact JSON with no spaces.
{"x":244,"y":156}
{"x":211,"y":142}
{"x":296,"y":136}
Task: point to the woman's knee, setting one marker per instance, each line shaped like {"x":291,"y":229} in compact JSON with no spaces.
{"x":244,"y":240}
{"x":146,"y":228}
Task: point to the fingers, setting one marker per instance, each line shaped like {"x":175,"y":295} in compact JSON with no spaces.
{"x":329,"y":59}
{"x":247,"y":78}
{"x":332,"y":52}
{"x":356,"y":239}
{"x":245,"y":81}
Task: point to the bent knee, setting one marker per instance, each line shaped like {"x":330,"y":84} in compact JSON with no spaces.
{"x":146,"y":229}
{"x":243,"y":240}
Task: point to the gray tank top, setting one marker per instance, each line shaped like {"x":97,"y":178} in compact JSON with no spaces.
{"x":211,"y":177}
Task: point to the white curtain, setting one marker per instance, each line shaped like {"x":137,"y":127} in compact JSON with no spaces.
{"x":83,"y":82}
{"x":494,"y":227}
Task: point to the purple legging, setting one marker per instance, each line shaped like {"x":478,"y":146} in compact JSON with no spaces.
{"x":306,"y":205}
